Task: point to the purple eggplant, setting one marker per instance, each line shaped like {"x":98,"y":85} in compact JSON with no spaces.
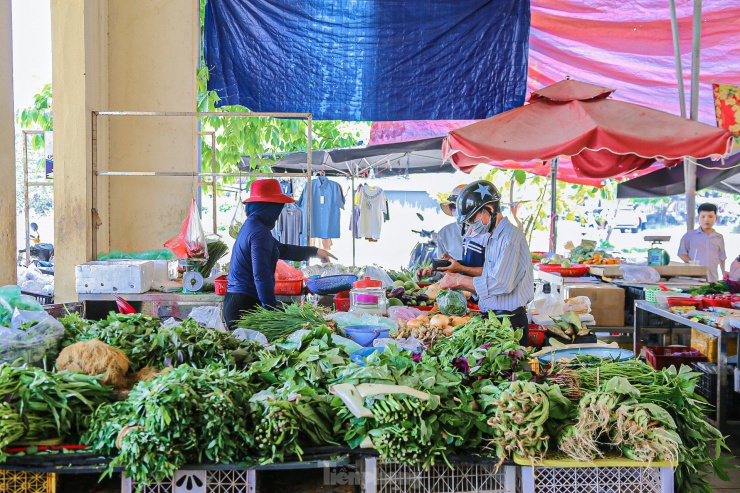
{"x":397,"y":292}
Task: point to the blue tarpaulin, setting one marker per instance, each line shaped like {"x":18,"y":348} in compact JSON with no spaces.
{"x":369,"y":59}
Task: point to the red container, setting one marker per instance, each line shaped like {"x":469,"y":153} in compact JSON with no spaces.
{"x":426,"y":308}
{"x":288,"y":288}
{"x":660,"y":357}
{"x":720,"y":303}
{"x":220,"y":283}
{"x":676,"y":301}
{"x":575,"y":270}
{"x":341,"y":301}
{"x":537,"y":334}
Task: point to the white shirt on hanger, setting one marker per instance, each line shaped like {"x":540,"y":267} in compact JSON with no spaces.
{"x":372,"y":209}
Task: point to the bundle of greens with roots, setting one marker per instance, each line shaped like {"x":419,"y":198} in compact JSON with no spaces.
{"x":524,"y":416}
{"x":699,"y":453}
{"x":612,"y":417}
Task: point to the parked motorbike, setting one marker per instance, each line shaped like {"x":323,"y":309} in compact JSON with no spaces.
{"x":424,"y":251}
{"x":42,"y":256}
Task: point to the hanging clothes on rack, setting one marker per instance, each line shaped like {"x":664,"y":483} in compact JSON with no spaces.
{"x":373,"y":211}
{"x":289,"y":226}
{"x":326,"y":201}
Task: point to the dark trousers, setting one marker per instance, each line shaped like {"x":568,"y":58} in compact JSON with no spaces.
{"x":518,"y":319}
{"x":234,"y":304}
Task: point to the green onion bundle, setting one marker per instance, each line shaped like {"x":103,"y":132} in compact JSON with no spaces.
{"x":275,"y":324}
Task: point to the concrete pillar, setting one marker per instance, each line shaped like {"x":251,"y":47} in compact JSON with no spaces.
{"x":8,"y":244}
{"x":152,"y":59}
{"x":79,"y":76}
{"x":126,"y":55}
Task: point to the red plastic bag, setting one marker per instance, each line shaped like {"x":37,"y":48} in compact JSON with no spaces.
{"x":191,"y":241}
{"x":284,"y":272}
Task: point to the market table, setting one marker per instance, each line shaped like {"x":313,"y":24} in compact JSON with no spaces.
{"x":720,"y":421}
{"x":176,"y":304}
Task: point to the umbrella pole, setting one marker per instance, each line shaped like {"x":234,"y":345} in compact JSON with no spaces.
{"x":553,"y":205}
{"x":689,"y":164}
{"x":677,"y":53}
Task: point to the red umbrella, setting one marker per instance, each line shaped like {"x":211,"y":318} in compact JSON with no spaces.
{"x":604,"y":137}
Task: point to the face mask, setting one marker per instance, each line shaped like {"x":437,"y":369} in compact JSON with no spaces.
{"x":478,"y":227}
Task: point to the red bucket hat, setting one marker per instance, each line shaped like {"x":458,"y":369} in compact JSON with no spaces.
{"x":267,"y":190}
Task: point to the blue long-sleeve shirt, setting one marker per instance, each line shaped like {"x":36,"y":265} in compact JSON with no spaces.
{"x":254,"y":258}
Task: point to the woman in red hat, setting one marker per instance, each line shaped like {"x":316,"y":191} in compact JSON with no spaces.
{"x":256,"y":252}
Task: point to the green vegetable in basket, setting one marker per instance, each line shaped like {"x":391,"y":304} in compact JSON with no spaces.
{"x":452,"y":302}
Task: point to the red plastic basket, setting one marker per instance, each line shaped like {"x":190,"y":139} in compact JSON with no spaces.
{"x":341,"y":301}
{"x":288,"y":288}
{"x":575,"y":270}
{"x":677,"y":301}
{"x":718,"y":303}
{"x":660,"y":357}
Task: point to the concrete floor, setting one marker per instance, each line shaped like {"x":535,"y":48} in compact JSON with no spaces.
{"x":734,"y":484}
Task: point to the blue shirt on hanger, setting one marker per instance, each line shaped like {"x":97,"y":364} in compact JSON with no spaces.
{"x":326,"y":201}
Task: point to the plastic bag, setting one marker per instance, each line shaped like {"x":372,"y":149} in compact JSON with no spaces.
{"x":375,"y":272}
{"x":412,"y":343}
{"x":43,"y":339}
{"x":210,"y":316}
{"x":345,"y":319}
{"x":250,"y":335}
{"x":10,"y":299}
{"x":639,"y":273}
{"x":452,"y":302}
{"x":284,"y":272}
{"x":547,"y":304}
{"x":404,"y":313}
{"x":240,"y":215}
{"x":190,"y":242}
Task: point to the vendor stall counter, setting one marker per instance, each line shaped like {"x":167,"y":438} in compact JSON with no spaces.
{"x":722,"y":338}
{"x":164,"y":305}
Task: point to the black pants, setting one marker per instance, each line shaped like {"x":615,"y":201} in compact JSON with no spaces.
{"x":518,"y":319}
{"x":234,"y":304}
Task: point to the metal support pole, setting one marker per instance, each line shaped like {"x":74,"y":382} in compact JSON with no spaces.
{"x":309,"y":136}
{"x":351,"y":220}
{"x":26,"y":208}
{"x":677,"y":53}
{"x":689,"y":165}
{"x":94,"y":182}
{"x":553,"y":205}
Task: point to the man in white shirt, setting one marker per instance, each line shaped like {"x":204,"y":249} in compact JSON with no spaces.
{"x":704,"y":245}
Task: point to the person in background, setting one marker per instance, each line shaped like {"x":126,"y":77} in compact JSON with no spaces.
{"x":34,"y":233}
{"x":449,"y":238}
{"x":251,"y":280}
{"x":705,"y":245}
{"x":734,"y":274}
{"x":505,"y":283}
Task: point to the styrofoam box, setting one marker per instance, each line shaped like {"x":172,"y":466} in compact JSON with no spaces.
{"x":114,"y":276}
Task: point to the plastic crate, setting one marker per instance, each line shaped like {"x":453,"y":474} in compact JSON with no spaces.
{"x":63,"y":309}
{"x":465,"y":477}
{"x":27,"y":482}
{"x":288,"y":288}
{"x":660,"y":357}
{"x":197,"y":481}
{"x":585,"y":477}
{"x":44,"y":299}
{"x":706,"y":387}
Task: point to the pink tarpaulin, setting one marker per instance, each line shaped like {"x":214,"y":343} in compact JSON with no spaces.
{"x":626,"y":44}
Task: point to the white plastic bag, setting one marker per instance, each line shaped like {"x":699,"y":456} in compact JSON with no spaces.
{"x":375,"y":272}
{"x":547,"y":305}
{"x":639,"y":273}
{"x":210,"y":316}
{"x":250,"y":335}
{"x":32,"y":344}
{"x":412,"y":344}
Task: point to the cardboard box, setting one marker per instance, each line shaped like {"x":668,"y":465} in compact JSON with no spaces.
{"x":607,"y":302}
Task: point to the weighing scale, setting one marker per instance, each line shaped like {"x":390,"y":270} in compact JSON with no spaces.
{"x":192,"y":281}
{"x":656,"y":254}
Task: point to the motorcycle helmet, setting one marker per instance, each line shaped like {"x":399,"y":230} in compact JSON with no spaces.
{"x":449,"y":205}
{"x":474,"y":197}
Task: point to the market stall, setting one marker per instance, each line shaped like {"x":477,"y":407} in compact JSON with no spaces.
{"x":408,"y":380}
